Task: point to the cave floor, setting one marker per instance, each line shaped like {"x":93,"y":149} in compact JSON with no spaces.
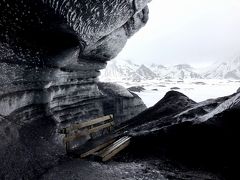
{"x":145,"y":169}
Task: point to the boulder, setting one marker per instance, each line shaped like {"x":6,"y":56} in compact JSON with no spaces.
{"x":136,"y":89}
{"x":162,"y":112}
{"x":204,"y":133}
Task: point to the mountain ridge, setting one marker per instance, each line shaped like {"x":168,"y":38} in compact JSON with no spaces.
{"x":127,"y":70}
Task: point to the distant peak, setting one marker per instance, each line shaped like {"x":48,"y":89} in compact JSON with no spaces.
{"x":183,"y":66}
{"x":143,"y":66}
{"x":157,"y":66}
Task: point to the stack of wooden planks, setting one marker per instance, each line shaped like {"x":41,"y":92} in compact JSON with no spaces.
{"x":103,"y":148}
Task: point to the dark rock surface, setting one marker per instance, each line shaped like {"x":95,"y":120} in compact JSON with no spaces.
{"x":136,"y":88}
{"x":51,"y":52}
{"x":199,"y":83}
{"x":199,"y":134}
{"x":175,"y":88}
{"x":162,"y":112}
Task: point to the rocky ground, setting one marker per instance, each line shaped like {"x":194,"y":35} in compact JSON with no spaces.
{"x":144,"y":169}
{"x":175,"y":139}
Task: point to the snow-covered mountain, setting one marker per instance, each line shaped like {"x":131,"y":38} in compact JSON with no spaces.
{"x":127,"y":70}
{"x":181,"y":71}
{"x":224,"y":70}
{"x":145,"y":72}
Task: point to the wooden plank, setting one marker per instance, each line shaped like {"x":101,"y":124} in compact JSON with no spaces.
{"x":91,"y":144}
{"x":99,"y":153}
{"x":96,"y":121}
{"x":90,"y":152}
{"x":86,"y":132}
{"x":89,"y":123}
{"x":117,"y":150}
{"x":114,"y":146}
{"x":98,"y":128}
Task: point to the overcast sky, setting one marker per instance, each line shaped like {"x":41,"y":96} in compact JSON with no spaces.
{"x":197,"y":32}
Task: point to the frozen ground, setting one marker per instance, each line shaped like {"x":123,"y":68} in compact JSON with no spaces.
{"x":198,"y":89}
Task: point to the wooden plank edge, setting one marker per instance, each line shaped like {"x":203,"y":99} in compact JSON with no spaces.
{"x":113,"y":153}
{"x":116,"y":146}
{"x":100,"y":153}
{"x":89,"y":122}
{"x":90,"y":152}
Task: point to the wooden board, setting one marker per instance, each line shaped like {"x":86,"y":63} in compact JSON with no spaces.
{"x":110,"y":151}
{"x":76,"y":135}
{"x":92,"y":151}
{"x":113,"y":146}
{"x":87,"y":128}
{"x":98,"y":128}
{"x":115,"y":151}
{"x":93,"y":143}
{"x":89,"y":123}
